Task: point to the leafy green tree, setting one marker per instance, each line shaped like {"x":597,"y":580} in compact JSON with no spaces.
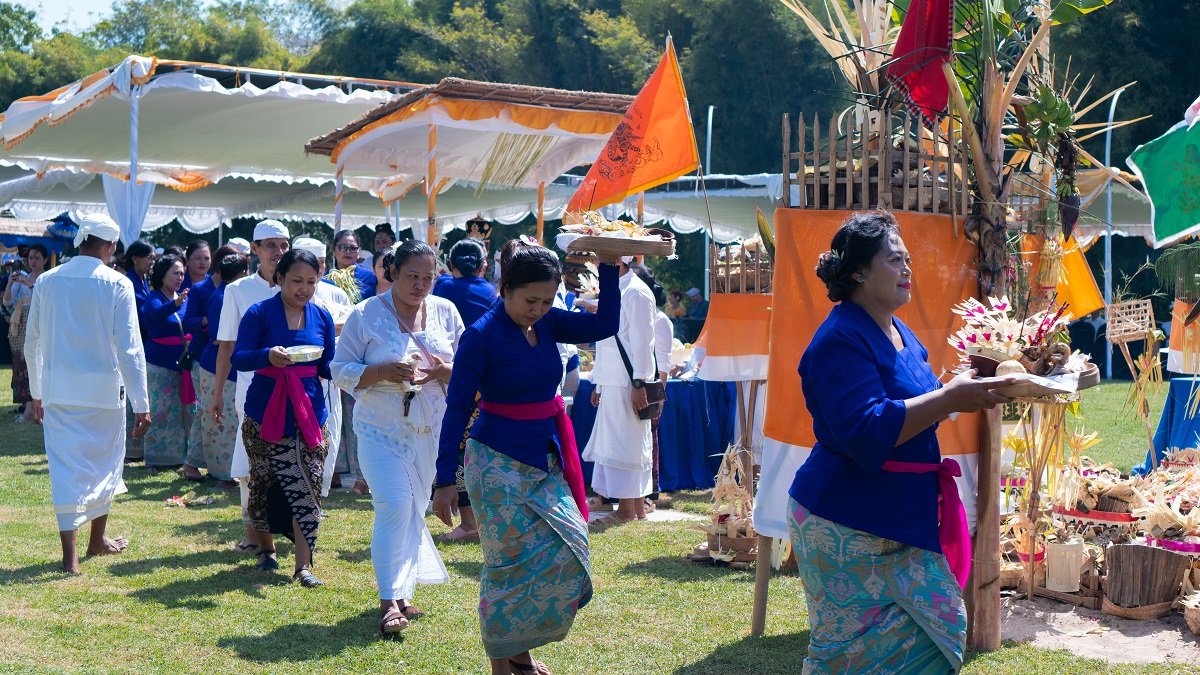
{"x":18,"y":27}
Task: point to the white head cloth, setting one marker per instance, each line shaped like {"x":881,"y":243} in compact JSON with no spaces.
{"x":240,"y":244}
{"x":311,"y":245}
{"x":99,"y":226}
{"x":271,"y":229}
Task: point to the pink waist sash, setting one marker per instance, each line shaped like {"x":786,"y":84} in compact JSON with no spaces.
{"x":568,"y":453}
{"x":953,"y":533}
{"x":289,"y":388}
{"x":187,"y":390}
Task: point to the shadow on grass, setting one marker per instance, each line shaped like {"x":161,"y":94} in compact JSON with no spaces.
{"x":32,"y":574}
{"x":237,"y":574}
{"x":466,"y":568}
{"x":359,"y":556}
{"x":212,"y":530}
{"x":299,"y":642}
{"x":675,"y":568}
{"x":769,"y":654}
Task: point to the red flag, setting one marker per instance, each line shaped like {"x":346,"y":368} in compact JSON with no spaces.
{"x":923,"y":46}
{"x":652,"y":145}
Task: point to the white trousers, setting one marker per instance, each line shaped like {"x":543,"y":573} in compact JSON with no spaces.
{"x":621,"y":446}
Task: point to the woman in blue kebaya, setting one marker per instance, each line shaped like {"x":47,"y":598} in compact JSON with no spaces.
{"x":471,"y":293}
{"x":882,"y":579}
{"x":522,"y":468}
{"x":345,"y":254}
{"x":172,"y":392}
{"x":285,"y":411}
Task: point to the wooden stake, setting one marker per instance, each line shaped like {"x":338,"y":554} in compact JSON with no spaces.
{"x":762,"y":584}
{"x":985,"y":563}
{"x":801,"y":172}
{"x":787,"y":161}
{"x":431,"y":186}
{"x":817,"y":161}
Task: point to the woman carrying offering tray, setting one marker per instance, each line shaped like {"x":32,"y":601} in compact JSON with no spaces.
{"x":883,"y":581}
{"x":288,"y":343}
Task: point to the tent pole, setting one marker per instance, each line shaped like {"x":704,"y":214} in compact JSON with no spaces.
{"x":431,"y":186}
{"x":134,"y":95}
{"x":541,"y":215}
{"x":1108,"y":351}
{"x":339,"y":194}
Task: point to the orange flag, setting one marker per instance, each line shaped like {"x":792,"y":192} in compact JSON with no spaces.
{"x":652,"y":145}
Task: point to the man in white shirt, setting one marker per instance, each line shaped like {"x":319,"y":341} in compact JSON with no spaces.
{"x":85,"y":356}
{"x":620,"y":444}
{"x":271,"y":241}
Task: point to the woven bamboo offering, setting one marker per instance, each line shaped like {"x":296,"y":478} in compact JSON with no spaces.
{"x":731,"y":534}
{"x":743,"y":267}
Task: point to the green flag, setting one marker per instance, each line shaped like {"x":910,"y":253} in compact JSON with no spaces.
{"x":1169,"y":167}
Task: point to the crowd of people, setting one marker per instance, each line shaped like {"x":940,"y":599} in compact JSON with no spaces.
{"x":444,"y":393}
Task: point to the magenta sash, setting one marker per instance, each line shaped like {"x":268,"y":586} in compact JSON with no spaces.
{"x":568,"y":452}
{"x":953,"y":533}
{"x":289,"y":388}
{"x":187,"y":391}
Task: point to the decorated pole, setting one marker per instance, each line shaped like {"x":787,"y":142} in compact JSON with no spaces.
{"x":339,"y":194}
{"x":431,"y":187}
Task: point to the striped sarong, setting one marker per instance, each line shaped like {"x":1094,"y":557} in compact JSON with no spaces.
{"x":875,"y":605}
{"x":536,"y":574}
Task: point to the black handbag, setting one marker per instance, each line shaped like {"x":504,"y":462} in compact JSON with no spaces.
{"x":185,"y":360}
{"x":656,"y":391}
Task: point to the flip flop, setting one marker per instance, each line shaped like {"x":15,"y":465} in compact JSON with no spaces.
{"x":307,"y":579}
{"x":534,"y":666}
{"x":266,"y":562}
{"x":243,"y":547}
{"x":461,"y":538}
{"x":392,"y":615}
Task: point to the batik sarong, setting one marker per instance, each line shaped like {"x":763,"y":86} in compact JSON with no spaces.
{"x":285,"y":483}
{"x":16,"y":341}
{"x":212,"y":440}
{"x":875,"y":605}
{"x":536,"y":574}
{"x":170,"y":419}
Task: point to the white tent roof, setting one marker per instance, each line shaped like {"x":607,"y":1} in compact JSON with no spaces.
{"x":197,"y":123}
{"x":680,"y":205}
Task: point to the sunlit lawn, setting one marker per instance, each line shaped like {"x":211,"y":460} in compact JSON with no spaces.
{"x":181,"y":600}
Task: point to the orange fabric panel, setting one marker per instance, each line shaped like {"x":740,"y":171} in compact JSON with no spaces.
{"x":1080,"y":291}
{"x":653,"y":144}
{"x":1184,"y":339}
{"x":738,"y":324}
{"x":943,"y":275}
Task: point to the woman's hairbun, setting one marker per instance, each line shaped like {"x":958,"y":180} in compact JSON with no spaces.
{"x":855,"y":243}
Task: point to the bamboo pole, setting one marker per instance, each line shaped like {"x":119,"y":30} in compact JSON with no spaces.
{"x":541,"y":215}
{"x":849,"y":166}
{"x":787,"y":160}
{"x":832,"y":194}
{"x":864,"y":135}
{"x":817,"y":161}
{"x":801,"y":170}
{"x":985,"y":555}
{"x":762,"y":585}
{"x":906,"y":167}
{"x":884,"y":177}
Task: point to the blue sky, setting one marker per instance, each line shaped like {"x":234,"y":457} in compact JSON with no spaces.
{"x":77,"y":14}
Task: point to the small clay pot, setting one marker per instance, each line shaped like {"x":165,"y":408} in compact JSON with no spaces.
{"x":984,"y":366}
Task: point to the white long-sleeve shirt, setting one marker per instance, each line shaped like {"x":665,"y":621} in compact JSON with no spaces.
{"x":636,"y":334}
{"x":82,"y":343}
{"x":664,"y":337}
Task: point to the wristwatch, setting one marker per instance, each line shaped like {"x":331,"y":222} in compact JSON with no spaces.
{"x":638,"y":384}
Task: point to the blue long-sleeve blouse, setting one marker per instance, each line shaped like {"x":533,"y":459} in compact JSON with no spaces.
{"x":162,"y":319}
{"x":855,"y":383}
{"x":496,"y":360}
{"x":208,"y":357}
{"x":196,"y":313}
{"x":472,"y":296}
{"x":265,"y":326}
{"x":140,"y":292}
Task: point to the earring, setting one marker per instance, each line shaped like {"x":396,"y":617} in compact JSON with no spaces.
{"x":859,"y":279}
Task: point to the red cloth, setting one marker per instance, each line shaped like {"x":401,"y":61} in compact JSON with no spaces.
{"x":923,"y":46}
{"x":953,"y":533}
{"x":567,"y":451}
{"x":289,"y":388}
{"x":187,"y":391}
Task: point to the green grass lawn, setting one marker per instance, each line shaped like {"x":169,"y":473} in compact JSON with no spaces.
{"x":181,"y":600}
{"x":1106,"y":411}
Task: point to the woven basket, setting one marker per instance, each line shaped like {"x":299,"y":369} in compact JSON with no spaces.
{"x":718,"y":542}
{"x":1129,"y":321}
{"x":1143,"y":613}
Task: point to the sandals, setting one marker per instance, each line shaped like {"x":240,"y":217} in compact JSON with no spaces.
{"x":411,"y":612}
{"x":392,"y":614}
{"x":266,"y":561}
{"x":192,"y":473}
{"x":360,"y":487}
{"x":306,"y":578}
{"x":243,"y":547}
{"x":534,"y":666}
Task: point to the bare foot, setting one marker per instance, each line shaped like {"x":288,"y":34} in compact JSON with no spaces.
{"x":459,"y":534}
{"x":109,"y":546}
{"x":71,"y":568}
